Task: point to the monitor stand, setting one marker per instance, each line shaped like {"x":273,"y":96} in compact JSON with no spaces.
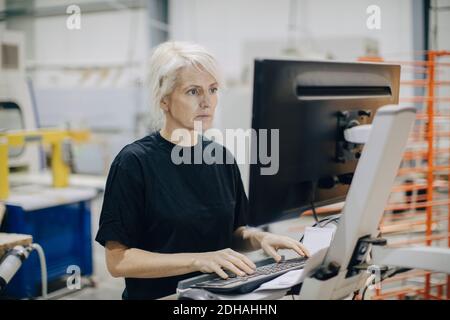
{"x":339,"y":275}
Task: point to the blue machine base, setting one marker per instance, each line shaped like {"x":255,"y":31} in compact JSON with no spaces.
{"x":64,"y":232}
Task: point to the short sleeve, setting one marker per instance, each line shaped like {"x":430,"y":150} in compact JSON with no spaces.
{"x":242,"y":205}
{"x":123,"y":204}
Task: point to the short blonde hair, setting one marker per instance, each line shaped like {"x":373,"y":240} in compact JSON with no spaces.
{"x":166,"y":61}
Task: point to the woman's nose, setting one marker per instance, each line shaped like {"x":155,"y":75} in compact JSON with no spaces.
{"x":206,"y":102}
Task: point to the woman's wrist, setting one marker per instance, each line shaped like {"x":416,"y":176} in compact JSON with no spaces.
{"x":254,"y":236}
{"x":188,"y":261}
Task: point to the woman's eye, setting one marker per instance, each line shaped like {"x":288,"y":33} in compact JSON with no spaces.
{"x":193,"y":92}
{"x":213,"y":90}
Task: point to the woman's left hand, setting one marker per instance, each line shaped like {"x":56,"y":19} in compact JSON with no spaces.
{"x":270,"y":243}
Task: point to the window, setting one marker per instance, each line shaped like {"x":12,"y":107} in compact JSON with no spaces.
{"x":11,"y":119}
{"x":10,"y":56}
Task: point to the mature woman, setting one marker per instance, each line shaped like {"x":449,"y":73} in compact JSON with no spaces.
{"x":162,"y":222}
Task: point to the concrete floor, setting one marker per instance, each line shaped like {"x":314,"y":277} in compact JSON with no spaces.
{"x":107,"y":287}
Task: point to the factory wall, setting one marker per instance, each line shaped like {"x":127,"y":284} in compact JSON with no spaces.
{"x":239,"y":31}
{"x":89,"y":77}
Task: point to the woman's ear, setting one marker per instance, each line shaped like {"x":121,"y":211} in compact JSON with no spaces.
{"x":165,"y":103}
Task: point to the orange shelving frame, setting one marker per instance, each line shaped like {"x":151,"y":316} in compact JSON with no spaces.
{"x":420,"y":217}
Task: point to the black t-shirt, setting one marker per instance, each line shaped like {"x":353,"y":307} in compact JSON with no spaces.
{"x":153,"y":204}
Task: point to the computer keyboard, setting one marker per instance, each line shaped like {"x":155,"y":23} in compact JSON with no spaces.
{"x":248,"y":283}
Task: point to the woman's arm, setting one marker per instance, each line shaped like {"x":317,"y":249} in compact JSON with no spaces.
{"x":247,"y":239}
{"x":136,"y":263}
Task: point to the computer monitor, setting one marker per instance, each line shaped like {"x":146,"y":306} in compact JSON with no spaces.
{"x":311,"y":103}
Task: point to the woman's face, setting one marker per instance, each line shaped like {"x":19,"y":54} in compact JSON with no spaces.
{"x":193,"y":99}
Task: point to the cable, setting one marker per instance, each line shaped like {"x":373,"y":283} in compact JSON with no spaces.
{"x":388,"y":274}
{"x":327,"y":220}
{"x":314,"y":212}
{"x":313,"y":196}
{"x":364,"y":292}
{"x":40,"y":252}
{"x":313,"y":208}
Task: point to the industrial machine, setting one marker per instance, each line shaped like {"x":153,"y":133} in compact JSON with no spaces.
{"x":56,"y":215}
{"x":16,"y":108}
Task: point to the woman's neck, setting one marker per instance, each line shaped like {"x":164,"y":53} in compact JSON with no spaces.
{"x":188,"y":138}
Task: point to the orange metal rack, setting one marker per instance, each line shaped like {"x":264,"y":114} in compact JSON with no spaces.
{"x":418,"y":211}
{"x":419,"y":208}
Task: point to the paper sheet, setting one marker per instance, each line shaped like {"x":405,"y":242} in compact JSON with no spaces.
{"x":317,"y":238}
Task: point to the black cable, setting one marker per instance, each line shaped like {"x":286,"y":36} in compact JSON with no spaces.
{"x":364,"y":292}
{"x":312,"y":198}
{"x":327,"y":221}
{"x":301,"y":239}
{"x":313,"y":208}
{"x":394,"y":272}
{"x":316,"y":218}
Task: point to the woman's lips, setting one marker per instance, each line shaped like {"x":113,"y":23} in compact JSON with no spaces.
{"x":202,"y":117}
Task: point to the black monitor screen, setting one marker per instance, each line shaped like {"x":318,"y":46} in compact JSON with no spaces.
{"x":311,"y":103}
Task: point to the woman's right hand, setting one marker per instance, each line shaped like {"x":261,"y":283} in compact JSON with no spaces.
{"x":217,"y":261}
